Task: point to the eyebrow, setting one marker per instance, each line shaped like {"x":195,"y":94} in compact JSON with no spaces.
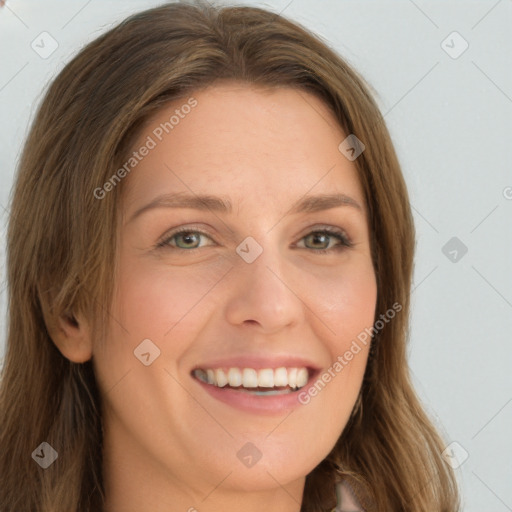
{"x":311,"y":204}
{"x":308,"y":204}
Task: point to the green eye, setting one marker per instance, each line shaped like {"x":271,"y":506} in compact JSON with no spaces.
{"x":185,"y":239}
{"x":190,"y":240}
{"x":321,"y":241}
{"x":324,"y":241}
{"x":318,"y":240}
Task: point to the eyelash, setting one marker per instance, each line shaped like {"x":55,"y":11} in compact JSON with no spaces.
{"x":345,"y":242}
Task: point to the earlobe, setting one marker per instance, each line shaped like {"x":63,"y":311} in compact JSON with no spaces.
{"x":72,"y":337}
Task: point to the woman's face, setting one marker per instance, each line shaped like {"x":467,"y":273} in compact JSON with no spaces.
{"x":243,"y":255}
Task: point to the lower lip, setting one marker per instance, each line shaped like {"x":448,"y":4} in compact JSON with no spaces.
{"x":259,"y":404}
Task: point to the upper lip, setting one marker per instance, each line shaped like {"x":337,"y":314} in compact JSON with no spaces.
{"x":259,"y":363}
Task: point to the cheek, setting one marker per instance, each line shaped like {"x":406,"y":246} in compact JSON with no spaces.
{"x":154,"y":298}
{"x":345,"y":303}
{"x":154,"y":301}
{"x":345,"y":300}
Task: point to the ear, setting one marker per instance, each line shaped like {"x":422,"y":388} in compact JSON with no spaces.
{"x":72,"y":336}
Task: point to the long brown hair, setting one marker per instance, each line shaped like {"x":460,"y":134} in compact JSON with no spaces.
{"x":61,"y":245}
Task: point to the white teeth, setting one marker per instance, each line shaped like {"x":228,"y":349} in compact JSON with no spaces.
{"x":281,"y":377}
{"x":220,"y":378}
{"x":302,"y":377}
{"x":234,"y":377}
{"x":251,"y":378}
{"x":266,"y":378}
{"x":292,"y":377}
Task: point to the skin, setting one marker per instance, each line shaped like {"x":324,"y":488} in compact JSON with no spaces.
{"x":170,"y":446}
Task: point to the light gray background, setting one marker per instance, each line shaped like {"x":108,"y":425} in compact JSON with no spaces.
{"x":451,"y":121}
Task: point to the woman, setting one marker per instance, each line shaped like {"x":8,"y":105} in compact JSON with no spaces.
{"x":209,"y":261}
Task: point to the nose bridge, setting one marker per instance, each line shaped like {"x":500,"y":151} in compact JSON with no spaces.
{"x":261,"y":270}
{"x":262,"y":292}
{"x":266,"y":274}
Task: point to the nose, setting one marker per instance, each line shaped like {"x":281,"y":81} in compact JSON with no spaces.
{"x":265,"y":294}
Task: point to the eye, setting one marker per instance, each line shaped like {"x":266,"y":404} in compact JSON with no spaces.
{"x":320,"y":241}
{"x":184,"y":239}
{"x":326,"y":240}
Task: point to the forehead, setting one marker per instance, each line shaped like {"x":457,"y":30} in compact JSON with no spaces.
{"x":251,"y":144}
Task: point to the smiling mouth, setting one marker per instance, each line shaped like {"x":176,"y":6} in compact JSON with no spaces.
{"x":264,"y":382}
